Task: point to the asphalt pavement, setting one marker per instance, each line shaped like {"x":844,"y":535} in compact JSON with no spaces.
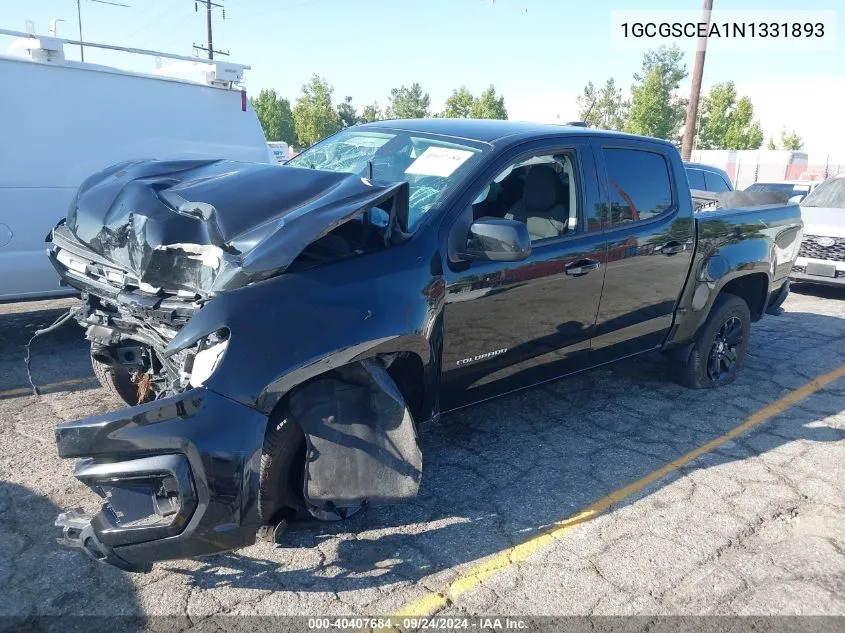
{"x":613,"y":492}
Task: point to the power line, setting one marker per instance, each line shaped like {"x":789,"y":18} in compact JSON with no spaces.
{"x":79,"y":20}
{"x":177,"y":20}
{"x":154,"y":21}
{"x":209,"y":5}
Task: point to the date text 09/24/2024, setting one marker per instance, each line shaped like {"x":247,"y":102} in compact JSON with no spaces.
{"x":418,"y":623}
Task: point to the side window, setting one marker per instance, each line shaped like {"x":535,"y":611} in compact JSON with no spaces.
{"x":715,"y":183}
{"x":696,"y":179}
{"x":541,"y":191}
{"x":639,"y":184}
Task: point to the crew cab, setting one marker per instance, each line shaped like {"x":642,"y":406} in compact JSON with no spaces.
{"x":280,"y":331}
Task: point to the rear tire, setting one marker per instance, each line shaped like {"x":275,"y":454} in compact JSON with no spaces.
{"x":118,"y":381}
{"x":720,"y":346}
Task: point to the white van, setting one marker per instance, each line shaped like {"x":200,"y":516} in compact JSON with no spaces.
{"x":62,"y":121}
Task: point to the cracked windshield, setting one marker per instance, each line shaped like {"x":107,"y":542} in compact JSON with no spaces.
{"x":431,"y":167}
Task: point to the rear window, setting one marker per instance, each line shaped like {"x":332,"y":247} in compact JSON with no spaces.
{"x":696,"y":179}
{"x":715,"y":182}
{"x":638,"y":182}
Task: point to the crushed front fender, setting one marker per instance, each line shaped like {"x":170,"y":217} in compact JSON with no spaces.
{"x":179,"y":477}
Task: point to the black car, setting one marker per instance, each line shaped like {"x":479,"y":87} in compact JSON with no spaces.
{"x":703,"y":177}
{"x":281,"y":330}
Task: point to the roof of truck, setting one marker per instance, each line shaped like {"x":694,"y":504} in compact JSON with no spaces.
{"x":492,"y":130}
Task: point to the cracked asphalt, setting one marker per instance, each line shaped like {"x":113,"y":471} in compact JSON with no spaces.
{"x":756,"y":527}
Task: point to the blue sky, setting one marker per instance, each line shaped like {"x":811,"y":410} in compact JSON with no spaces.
{"x":538,"y":53}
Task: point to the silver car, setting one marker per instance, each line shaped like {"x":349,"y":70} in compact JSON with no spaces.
{"x":821,"y":258}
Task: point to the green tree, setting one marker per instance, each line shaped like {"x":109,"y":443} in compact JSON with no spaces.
{"x":458,"y":105}
{"x":371,"y":113}
{"x":728,"y":122}
{"x":275,"y":116}
{"x":655,"y":108}
{"x":346,"y":113}
{"x":791,"y":141}
{"x":605,"y":108}
{"x":488,"y":105}
{"x":771,"y":144}
{"x":670,"y":58}
{"x":314,"y":118}
{"x":408,"y":103}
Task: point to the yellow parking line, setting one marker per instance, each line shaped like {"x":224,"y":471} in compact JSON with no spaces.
{"x":434,"y":601}
{"x":26,"y":391}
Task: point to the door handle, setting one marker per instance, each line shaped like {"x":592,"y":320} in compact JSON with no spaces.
{"x":581,"y":267}
{"x":673,"y":248}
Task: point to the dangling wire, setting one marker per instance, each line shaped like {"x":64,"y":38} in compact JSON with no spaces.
{"x":54,"y":326}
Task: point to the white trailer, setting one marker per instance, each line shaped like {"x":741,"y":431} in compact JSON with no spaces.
{"x":64,"y":120}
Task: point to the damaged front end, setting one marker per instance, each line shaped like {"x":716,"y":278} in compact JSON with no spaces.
{"x":151,"y":245}
{"x":179,"y":477}
{"x":148,"y":243}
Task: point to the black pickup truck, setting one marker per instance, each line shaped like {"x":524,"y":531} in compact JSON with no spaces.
{"x":280,"y":330}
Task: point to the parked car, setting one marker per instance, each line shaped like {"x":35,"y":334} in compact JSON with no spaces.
{"x":821,"y":258}
{"x":64,"y":120}
{"x":703,"y":177}
{"x":795,"y":190}
{"x":287,"y":327}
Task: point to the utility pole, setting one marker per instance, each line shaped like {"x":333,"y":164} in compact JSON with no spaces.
{"x":209,"y":5}
{"x":695,"y":90}
{"x":208,"y":28}
{"x":79,"y":20}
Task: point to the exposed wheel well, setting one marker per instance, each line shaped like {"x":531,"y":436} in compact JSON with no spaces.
{"x":405,"y":368}
{"x":408,"y":373}
{"x":753,"y":289}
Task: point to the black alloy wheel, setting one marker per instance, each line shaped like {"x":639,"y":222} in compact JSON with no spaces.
{"x":724,"y":353}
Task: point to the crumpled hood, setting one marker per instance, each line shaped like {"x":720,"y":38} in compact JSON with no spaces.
{"x":212,"y":225}
{"x":823,"y":221}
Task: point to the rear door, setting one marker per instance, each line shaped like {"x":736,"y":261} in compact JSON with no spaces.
{"x":647,"y":215}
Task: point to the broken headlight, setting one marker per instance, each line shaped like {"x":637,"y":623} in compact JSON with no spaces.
{"x":209,"y":353}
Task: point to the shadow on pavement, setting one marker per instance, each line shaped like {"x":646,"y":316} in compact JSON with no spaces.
{"x":45,"y":587}
{"x":498,"y":473}
{"x":816,"y":290}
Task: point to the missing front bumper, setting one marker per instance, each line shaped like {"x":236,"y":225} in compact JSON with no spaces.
{"x":179,"y":477}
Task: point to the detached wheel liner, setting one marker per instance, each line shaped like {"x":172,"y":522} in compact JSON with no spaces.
{"x":342,"y":441}
{"x":720,"y":346}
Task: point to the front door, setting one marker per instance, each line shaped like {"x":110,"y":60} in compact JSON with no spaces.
{"x":508,"y":325}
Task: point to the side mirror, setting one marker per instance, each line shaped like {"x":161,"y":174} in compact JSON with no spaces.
{"x":498,"y":240}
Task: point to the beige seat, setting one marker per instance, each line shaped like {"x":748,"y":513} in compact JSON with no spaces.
{"x":542,"y":207}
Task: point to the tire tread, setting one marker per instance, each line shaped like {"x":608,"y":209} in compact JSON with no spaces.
{"x":692,"y":372}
